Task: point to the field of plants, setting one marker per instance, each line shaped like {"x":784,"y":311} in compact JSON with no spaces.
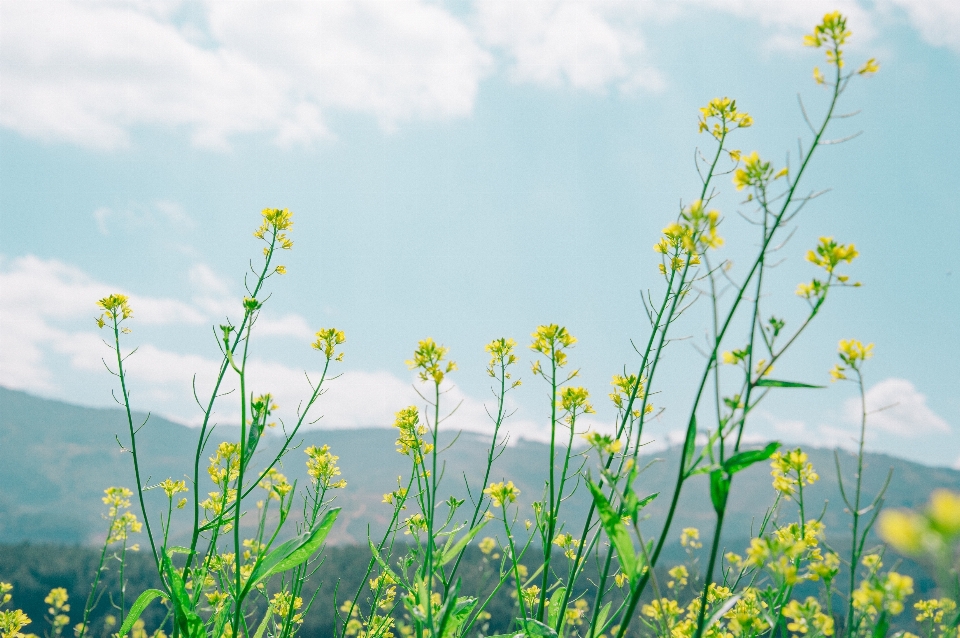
{"x":482,"y":566}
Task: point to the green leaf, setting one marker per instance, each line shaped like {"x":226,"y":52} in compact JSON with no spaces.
{"x":773,"y":383}
{"x":451,"y":552}
{"x":882,"y":627}
{"x":136,"y":610}
{"x":724,"y":608}
{"x":554,"y":610}
{"x":189,"y":623}
{"x":461,"y":611}
{"x":646,"y":500}
{"x":689,"y":446}
{"x":744,"y":460}
{"x":293,"y":552}
{"x":602,"y":616}
{"x":263,"y":625}
{"x":536,"y":629}
{"x":719,"y":489}
{"x":616,"y":532}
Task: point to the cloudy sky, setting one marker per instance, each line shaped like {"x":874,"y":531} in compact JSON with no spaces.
{"x":464,"y":170}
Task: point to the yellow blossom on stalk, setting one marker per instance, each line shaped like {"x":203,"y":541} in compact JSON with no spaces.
{"x":428,"y":359}
{"x":624,"y":387}
{"x":679,"y":574}
{"x":171,"y":487}
{"x":224,"y":466}
{"x":122,"y":526}
{"x":410,"y":440}
{"x":530,"y":595}
{"x":552,"y":341}
{"x":603,"y":443}
{"x":117,"y":498}
{"x":828,"y":254}
{"x":327,"y":341}
{"x":275,"y":484}
{"x":116,"y":308}
{"x":322,"y":467}
{"x":792,"y":471}
{"x":502,"y":493}
{"x":690,"y":537}
{"x":869,"y":67}
{"x":831,"y":32}
{"x":807,"y":617}
{"x":852,"y":353}
{"x":275,"y":221}
{"x":284,"y":603}
{"x":488,"y":544}
{"x":501,"y":356}
{"x":11,"y":622}
{"x":723,"y":111}
{"x":755,"y":172}
{"x":575,"y":401}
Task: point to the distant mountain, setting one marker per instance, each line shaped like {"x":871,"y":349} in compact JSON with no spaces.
{"x":56,"y":459}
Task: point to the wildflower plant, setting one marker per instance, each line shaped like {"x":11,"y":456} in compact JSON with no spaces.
{"x":237,"y":578}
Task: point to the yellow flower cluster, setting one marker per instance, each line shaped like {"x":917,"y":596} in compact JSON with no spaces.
{"x":828,"y":254}
{"x":755,"y":173}
{"x":832,"y":31}
{"x":852,"y":353}
{"x":501,"y":356}
{"x":692,"y":235}
{"x":575,"y":401}
{"x":502,"y":493}
{"x":551,"y":341}
{"x":11,"y":621}
{"x":930,"y":532}
{"x":171,"y":487}
{"x":603,"y":443}
{"x":785,"y":551}
{"x":275,"y":221}
{"x":567,"y":543}
{"x":116,"y":308}
{"x":322,"y":467}
{"x":411,"y":433}
{"x":275,"y":484}
{"x":623,"y":388}
{"x":428,"y":358}
{"x":724,"y":112}
{"x":878,"y":593}
{"x":791,"y":472}
{"x":690,"y":537}
{"x":327,"y":341}
{"x":284,"y":603}
{"x":808,"y":618}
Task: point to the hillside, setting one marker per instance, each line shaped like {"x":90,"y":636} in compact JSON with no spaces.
{"x":56,"y":459}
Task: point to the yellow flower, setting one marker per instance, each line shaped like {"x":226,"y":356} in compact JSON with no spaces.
{"x":575,"y":401}
{"x":690,"y":537}
{"x":818,"y":76}
{"x":869,"y":67}
{"x":502,"y":493}
{"x":551,"y":341}
{"x":172,"y":487}
{"x":327,"y":341}
{"x":322,"y":467}
{"x":116,"y":308}
{"x":944,"y":512}
{"x":428,"y":359}
{"x":487,"y":545}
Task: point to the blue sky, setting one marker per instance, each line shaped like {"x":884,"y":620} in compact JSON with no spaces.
{"x":464,"y":171}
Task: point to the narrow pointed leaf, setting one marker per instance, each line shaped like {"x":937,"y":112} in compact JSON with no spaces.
{"x":774,"y":383}
{"x":293,"y":552}
{"x":719,"y":489}
{"x":616,"y":531}
{"x":136,"y":610}
{"x":451,"y":552}
{"x":743,"y":460}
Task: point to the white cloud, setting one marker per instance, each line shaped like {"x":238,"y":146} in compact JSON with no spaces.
{"x":896,"y":406}
{"x":938,"y":21}
{"x":47,"y":305}
{"x":90,"y":72}
{"x":586,"y":45}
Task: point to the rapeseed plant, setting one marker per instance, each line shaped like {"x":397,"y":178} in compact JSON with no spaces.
{"x":237,"y":579}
